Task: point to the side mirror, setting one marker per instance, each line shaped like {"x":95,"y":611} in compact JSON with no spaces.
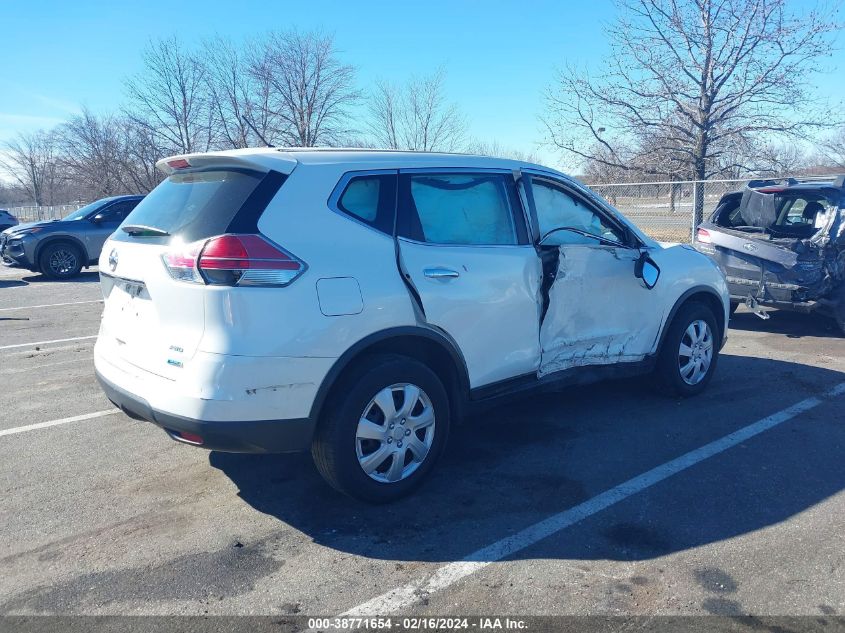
{"x":98,"y":218}
{"x":647,"y":270}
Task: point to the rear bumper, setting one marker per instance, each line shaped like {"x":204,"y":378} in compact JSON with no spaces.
{"x":251,"y":436}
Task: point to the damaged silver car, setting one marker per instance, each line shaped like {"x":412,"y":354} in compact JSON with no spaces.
{"x":782,"y":244}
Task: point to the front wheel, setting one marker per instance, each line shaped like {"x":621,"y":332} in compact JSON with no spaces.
{"x":690,"y":350}
{"x":60,"y":260}
{"x":382,"y":434}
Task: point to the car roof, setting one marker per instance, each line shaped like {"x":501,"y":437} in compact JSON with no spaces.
{"x":109,"y":199}
{"x":400,"y":158}
{"x":358,"y":158}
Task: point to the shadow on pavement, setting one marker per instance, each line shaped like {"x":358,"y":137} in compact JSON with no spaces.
{"x":522,"y":463}
{"x":87,"y":276}
{"x":791,"y":324}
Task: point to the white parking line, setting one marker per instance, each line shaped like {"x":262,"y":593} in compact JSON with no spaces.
{"x":58,"y":340}
{"x":405,"y":596}
{"x":51,"y":305}
{"x":44,"y":425}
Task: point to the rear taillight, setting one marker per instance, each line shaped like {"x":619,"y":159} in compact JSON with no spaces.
{"x":703,"y":236}
{"x":182,"y":262}
{"x":234,"y":260}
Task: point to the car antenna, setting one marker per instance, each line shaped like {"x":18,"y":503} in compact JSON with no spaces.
{"x":257,"y":133}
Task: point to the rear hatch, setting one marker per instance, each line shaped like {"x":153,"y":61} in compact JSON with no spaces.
{"x":154,"y":313}
{"x":761,"y":242}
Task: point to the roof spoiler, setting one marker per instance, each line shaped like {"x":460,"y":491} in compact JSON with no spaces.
{"x":836,"y":181}
{"x":768,"y":182}
{"x":259,"y":158}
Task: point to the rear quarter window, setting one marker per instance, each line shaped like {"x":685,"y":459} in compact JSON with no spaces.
{"x":370,"y":199}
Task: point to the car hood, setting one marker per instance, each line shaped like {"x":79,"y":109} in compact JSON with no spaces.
{"x":19,"y":228}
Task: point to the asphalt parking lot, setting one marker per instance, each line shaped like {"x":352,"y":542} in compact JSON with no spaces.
{"x":600,"y":500}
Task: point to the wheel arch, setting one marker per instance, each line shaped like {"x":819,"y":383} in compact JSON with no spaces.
{"x":427,"y":345}
{"x":703,"y":294}
{"x":52,"y":239}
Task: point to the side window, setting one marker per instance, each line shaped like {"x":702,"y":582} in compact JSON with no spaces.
{"x":370,"y":199}
{"x":799,"y":210}
{"x":467,"y":209}
{"x":116,"y":213}
{"x":556,"y":209}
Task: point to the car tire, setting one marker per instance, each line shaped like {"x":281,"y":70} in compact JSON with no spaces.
{"x":60,"y":260}
{"x":690,"y":351}
{"x":359,"y":430}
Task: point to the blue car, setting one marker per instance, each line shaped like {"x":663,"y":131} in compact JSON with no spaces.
{"x":61,"y":248}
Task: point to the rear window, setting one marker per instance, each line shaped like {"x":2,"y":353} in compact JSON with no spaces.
{"x":794,"y":213}
{"x":197,"y":205}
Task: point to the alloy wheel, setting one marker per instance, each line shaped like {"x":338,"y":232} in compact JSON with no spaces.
{"x":62,"y":261}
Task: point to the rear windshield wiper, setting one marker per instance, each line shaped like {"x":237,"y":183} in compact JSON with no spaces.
{"x":140,"y":230}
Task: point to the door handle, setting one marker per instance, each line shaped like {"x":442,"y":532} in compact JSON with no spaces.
{"x":440,"y":273}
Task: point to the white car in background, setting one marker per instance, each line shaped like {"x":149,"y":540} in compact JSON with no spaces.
{"x":357,"y":303}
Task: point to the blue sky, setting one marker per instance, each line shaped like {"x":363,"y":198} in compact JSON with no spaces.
{"x":499,"y":56}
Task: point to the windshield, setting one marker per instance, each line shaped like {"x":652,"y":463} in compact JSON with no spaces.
{"x":84,"y":211}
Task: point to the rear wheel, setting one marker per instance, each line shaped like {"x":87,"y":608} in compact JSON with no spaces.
{"x":384,"y":431}
{"x":690,"y":350}
{"x":60,"y":260}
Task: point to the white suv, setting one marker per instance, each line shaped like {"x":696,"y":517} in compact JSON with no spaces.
{"x":357,"y":303}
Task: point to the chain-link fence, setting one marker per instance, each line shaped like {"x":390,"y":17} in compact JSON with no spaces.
{"x":37,"y":214}
{"x":662,"y":210}
{"x":666,"y":210}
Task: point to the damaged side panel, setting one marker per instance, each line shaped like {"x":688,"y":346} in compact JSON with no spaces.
{"x":598,"y":311}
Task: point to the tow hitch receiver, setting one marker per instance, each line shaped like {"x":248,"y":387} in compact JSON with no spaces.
{"x":752,"y":305}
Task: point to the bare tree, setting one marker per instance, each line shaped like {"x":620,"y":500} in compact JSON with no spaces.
{"x":833,"y":150}
{"x":384,"y":105}
{"x":309,"y":90}
{"x":170,"y":99}
{"x":92,"y":152}
{"x":30,"y":159}
{"x":496,"y":149}
{"x":688,"y":81}
{"x":235,"y":94}
{"x":415,"y":116}
{"x":141,"y":152}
